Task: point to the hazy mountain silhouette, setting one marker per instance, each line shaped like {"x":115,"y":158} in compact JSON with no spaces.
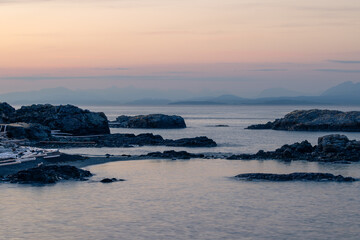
{"x":279,"y":92}
{"x":344,"y":89}
{"x":108,"y":96}
{"x":344,"y":93}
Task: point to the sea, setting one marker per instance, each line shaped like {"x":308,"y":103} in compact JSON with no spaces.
{"x":191,"y":199}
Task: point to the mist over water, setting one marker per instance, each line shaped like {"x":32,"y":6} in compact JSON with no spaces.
{"x":191,"y":199}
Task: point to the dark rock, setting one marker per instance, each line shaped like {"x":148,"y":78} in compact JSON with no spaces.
{"x":31,"y":131}
{"x":63,"y":158}
{"x":315,"y":120}
{"x":299,"y":176}
{"x":110,"y":180}
{"x":6,"y":112}
{"x":330,"y":148}
{"x":126,"y":140}
{"x":48,"y":174}
{"x":149,"y":121}
{"x":192,"y":142}
{"x":66,"y":118}
{"x":268,"y":125}
{"x":173,"y":155}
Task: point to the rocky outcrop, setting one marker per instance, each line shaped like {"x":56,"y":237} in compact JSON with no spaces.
{"x":330,"y":148}
{"x":126,"y":140}
{"x":48,"y":174}
{"x":149,"y":121}
{"x":6,"y":112}
{"x":299,"y":176}
{"x":31,"y":131}
{"x":110,"y":180}
{"x":191,"y":142}
{"x":66,"y":118}
{"x":315,"y":120}
{"x":173,"y":155}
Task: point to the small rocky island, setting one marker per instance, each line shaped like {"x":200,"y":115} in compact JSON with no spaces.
{"x":315,"y":120}
{"x":298,"y":176}
{"x":149,"y":121}
{"x":48,"y":174}
{"x":330,"y":148}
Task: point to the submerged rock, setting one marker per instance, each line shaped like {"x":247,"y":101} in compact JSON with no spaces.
{"x":66,"y":118}
{"x":330,"y":148}
{"x":173,"y":155}
{"x":298,"y":176}
{"x":48,"y":174}
{"x":315,"y":120}
{"x":149,"y":121}
{"x":110,"y":180}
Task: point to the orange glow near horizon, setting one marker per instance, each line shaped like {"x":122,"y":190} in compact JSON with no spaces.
{"x":57,"y":36}
{"x":85,"y":34}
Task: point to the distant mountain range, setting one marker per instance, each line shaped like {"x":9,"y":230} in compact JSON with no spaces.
{"x":279,"y":92}
{"x":108,"y":96}
{"x":344,"y":93}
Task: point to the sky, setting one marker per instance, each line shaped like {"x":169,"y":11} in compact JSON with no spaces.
{"x":230,"y":46}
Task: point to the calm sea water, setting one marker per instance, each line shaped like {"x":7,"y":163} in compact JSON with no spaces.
{"x":192,"y":199}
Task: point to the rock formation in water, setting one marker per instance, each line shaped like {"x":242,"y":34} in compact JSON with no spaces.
{"x":66,"y":118}
{"x":35,"y":122}
{"x":315,"y":120}
{"x":173,"y":155}
{"x":125,"y":140}
{"x":48,"y":174}
{"x":110,"y":180}
{"x":330,"y":148}
{"x":299,"y":176}
{"x":149,"y":121}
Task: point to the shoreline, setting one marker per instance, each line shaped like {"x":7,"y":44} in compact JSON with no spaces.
{"x":86,"y":161}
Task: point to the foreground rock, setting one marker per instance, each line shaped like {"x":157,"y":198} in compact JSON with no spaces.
{"x":48,"y":174}
{"x":330,"y":148}
{"x":31,"y":131}
{"x":149,"y":121}
{"x":125,"y":140}
{"x":66,"y":118}
{"x":173,"y":155}
{"x":315,"y":120}
{"x":299,"y":176}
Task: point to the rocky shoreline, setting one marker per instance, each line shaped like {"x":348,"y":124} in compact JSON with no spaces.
{"x":122,"y":140}
{"x":315,"y":120}
{"x":64,"y":118}
{"x":330,"y":148}
{"x":44,"y":125}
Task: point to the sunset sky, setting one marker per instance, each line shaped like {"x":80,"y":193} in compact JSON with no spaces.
{"x":230,"y":46}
